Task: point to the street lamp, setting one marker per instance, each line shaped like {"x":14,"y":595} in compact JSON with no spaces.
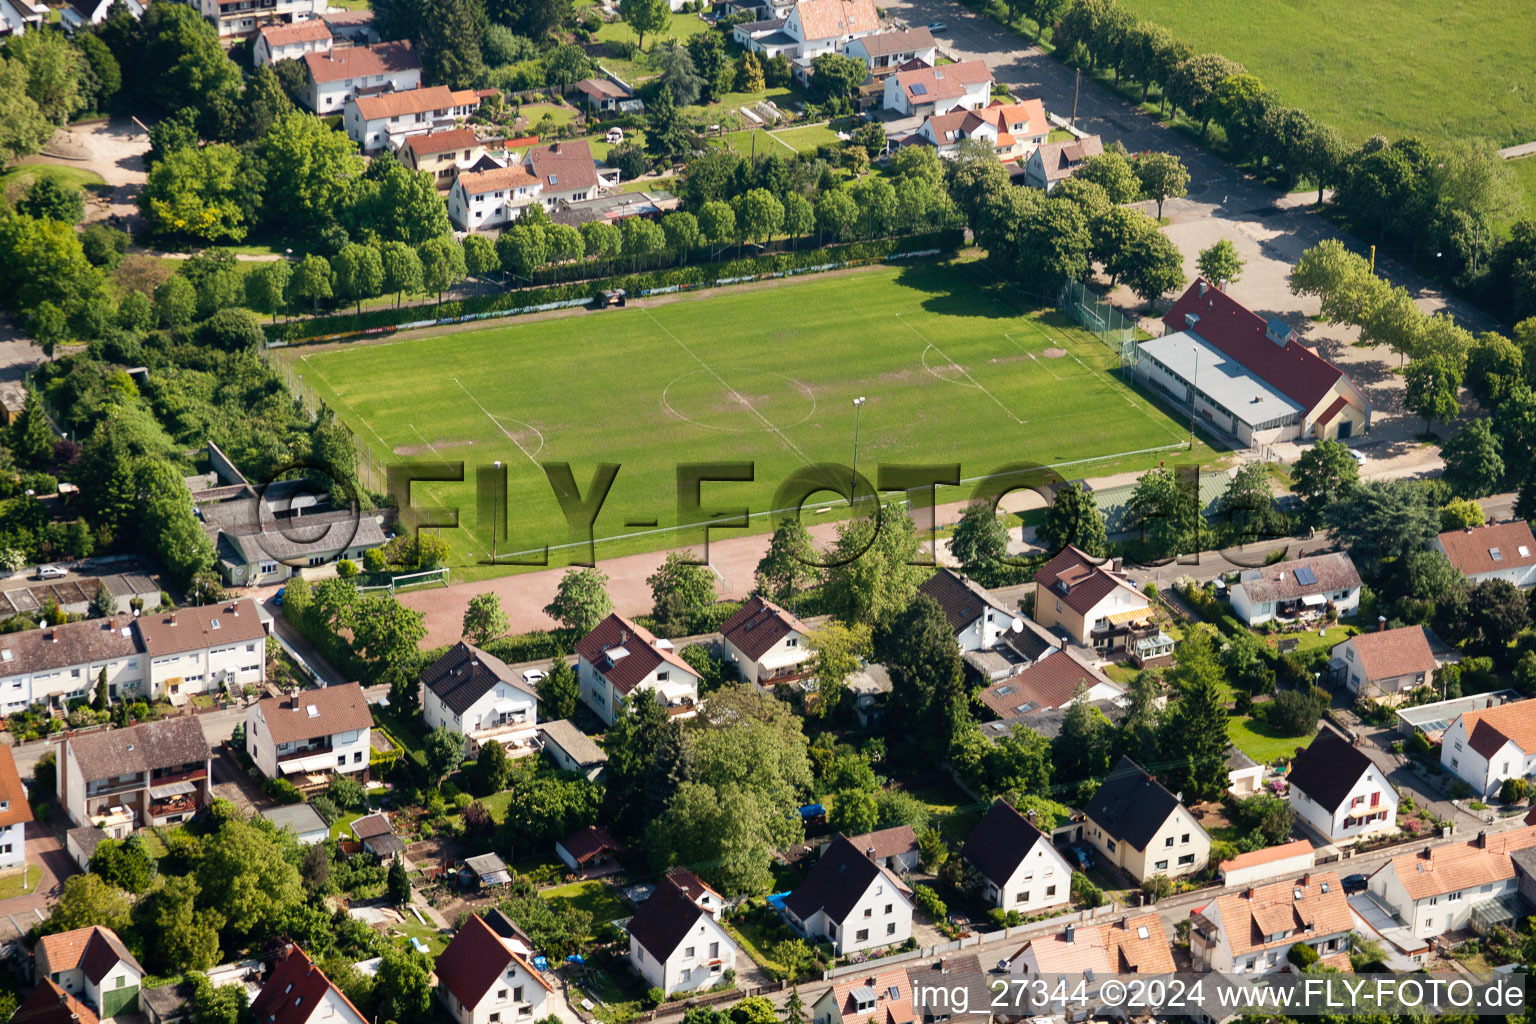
{"x":496,"y":516}
{"x":858,"y":410}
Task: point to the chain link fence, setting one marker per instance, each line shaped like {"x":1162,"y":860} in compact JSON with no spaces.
{"x":1103,"y":321}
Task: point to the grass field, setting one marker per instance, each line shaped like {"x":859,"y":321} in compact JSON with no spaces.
{"x":596,"y":897}
{"x":1525,"y":174}
{"x":15,"y":181}
{"x":952,"y":370}
{"x":1437,"y":71}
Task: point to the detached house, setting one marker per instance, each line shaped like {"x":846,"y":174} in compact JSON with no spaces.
{"x":1054,"y":162}
{"x":675,"y":944}
{"x":976,"y":619}
{"x":1022,"y":869}
{"x":767,"y":644}
{"x":810,"y":28}
{"x":290,"y":42}
{"x":243,"y":17}
{"x":554,"y":175}
{"x":1143,"y":829}
{"x":79,"y":13}
{"x":298,"y":992}
{"x":1386,"y":665}
{"x":850,"y":901}
{"x":1444,"y":888}
{"x":93,"y":965}
{"x":1297,"y":588}
{"x":924,"y":92}
{"x":1051,"y":684}
{"x":1483,"y":748}
{"x":884,"y":997}
{"x":153,"y":773}
{"x":483,"y":978}
{"x":337,"y":75}
{"x":1091,"y":602}
{"x":1251,"y":931}
{"x":1498,"y":551}
{"x":619,"y":658}
{"x":383,"y":121}
{"x":884,"y":52}
{"x":892,"y":848}
{"x":1013,"y":130}
{"x":443,"y":154}
{"x":310,"y":735}
{"x":15,"y":812}
{"x":1339,"y":791}
{"x":477,"y":696}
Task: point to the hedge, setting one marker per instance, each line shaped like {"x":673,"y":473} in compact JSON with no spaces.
{"x":652,"y":282}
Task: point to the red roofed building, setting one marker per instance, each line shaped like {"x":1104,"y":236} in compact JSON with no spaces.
{"x":1498,"y":551}
{"x":290,"y":42}
{"x":1252,"y":378}
{"x":1013,"y":130}
{"x":297,"y":992}
{"x":767,"y":644}
{"x":1385,"y":665}
{"x":619,"y":657}
{"x":555,"y":175}
{"x":1483,"y":748}
{"x":1092,"y":602}
{"x":483,"y":979}
{"x":443,"y":154}
{"x":926,"y":91}
{"x":337,"y":75}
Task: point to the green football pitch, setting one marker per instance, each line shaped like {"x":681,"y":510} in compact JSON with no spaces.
{"x":955,"y":370}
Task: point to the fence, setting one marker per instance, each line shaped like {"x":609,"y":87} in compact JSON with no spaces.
{"x":1105,"y":322}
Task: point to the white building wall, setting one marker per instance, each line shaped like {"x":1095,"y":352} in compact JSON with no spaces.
{"x":13,"y":846}
{"x":1041,"y":881}
{"x":883,"y":912}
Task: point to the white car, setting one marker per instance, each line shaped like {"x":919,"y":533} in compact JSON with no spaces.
{"x":938,"y":26}
{"x":533,"y":677}
{"x":51,"y":572}
{"x":1360,"y":457}
{"x":615,"y":136}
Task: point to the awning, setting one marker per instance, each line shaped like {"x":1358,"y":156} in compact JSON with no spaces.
{"x":303,"y":765}
{"x":1314,"y":600}
{"x":506,"y":707}
{"x":1119,"y":618}
{"x":173,"y":789}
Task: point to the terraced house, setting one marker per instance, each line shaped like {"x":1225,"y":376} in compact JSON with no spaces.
{"x":1445,"y":888}
{"x":120,"y":780}
{"x":1250,"y":932}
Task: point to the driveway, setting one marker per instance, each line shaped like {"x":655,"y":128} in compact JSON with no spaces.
{"x":17,"y":916}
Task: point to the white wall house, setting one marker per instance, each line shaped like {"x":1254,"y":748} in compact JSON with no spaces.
{"x":552,"y":175}
{"x":1435,"y":889}
{"x":978,"y":621}
{"x":298,"y":992}
{"x":290,"y":42}
{"x":1339,"y":791}
{"x":478,"y":696}
{"x":1141,"y":828}
{"x":1297,"y":588}
{"x":1386,"y":665}
{"x":1022,"y":869}
{"x":79,"y":13}
{"x":1483,"y":748}
{"x":311,"y":734}
{"x":15,"y":812}
{"x":482,"y":978}
{"x":676,"y":945}
{"x":383,"y":121}
{"x":153,"y":773}
{"x":339,"y":74}
{"x":851,"y":902}
{"x":244,"y":17}
{"x":17,"y":17}
{"x":1498,"y":551}
{"x":618,"y":659}
{"x":63,"y":662}
{"x":924,"y":92}
{"x":815,"y":27}
{"x":767,"y":644}
{"x":884,"y":52}
{"x":215,"y":648}
{"x":93,"y":965}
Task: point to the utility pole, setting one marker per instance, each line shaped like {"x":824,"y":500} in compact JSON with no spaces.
{"x":1076,"y":85}
{"x":858,"y":410}
{"x":1193,"y":391}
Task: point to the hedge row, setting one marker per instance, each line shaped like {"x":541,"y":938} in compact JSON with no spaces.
{"x":697,"y":276}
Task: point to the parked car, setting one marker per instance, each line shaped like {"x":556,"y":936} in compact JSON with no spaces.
{"x":51,"y":572}
{"x":1360,"y":457}
{"x":1081,"y":856}
{"x":533,"y":677}
{"x":938,"y":26}
{"x":1354,"y":883}
{"x":277,"y":598}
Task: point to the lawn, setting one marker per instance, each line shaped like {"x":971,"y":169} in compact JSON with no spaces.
{"x":953,"y":370}
{"x":20,"y":883}
{"x":950,"y":806}
{"x":1262,"y":743}
{"x":679,"y":27}
{"x":809,"y":138}
{"x":596,"y":897}
{"x":1438,"y":71}
{"x":1525,"y":174}
{"x":560,"y":114}
{"x":410,"y":928}
{"x":756,"y":141}
{"x":14,"y":181}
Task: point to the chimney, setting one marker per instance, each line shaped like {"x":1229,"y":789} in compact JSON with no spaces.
{"x":1427,"y":852}
{"x":1482,"y":840}
{"x":1248,"y":893}
{"x":1115,"y":564}
{"x":173,"y":617}
{"x":1069,"y":934}
{"x":1202,"y":288}
{"x":1221,"y":286}
{"x":623,"y":636}
{"x":1381,"y":623}
{"x":1306,"y":879}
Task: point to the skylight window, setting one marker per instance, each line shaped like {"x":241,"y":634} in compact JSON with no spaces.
{"x":312,"y":711}
{"x":1305,"y":576}
{"x":1496,"y":554}
{"x":919,"y":89}
{"x":1142,"y":933}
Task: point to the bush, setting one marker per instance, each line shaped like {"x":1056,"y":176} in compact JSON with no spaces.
{"x":1158,"y":887}
{"x":928,"y":901}
{"x":281,"y":790}
{"x":1514,"y":791}
{"x":326,"y":809}
{"x":654,"y":997}
{"x":1084,"y":892}
{"x":1302,"y":955}
{"x":1295,"y":712}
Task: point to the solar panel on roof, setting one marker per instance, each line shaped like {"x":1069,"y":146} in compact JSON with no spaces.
{"x":1305,"y":576}
{"x":920,"y":89}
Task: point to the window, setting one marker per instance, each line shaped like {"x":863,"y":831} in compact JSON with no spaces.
{"x":1375,"y":799}
{"x":688,"y":952}
{"x":662,"y":677}
{"x":495,"y":1017}
{"x":517,"y":994}
{"x":341,"y":760}
{"x":501,"y":995}
{"x":1023,"y":898}
{"x":869,"y":912}
{"x":1111,"y":844}
{"x":890,"y":929}
{"x":1188,"y":858}
{"x":1455,"y":896}
{"x":1169,"y":841}
{"x":888,"y":908}
{"x":1161,"y":865}
{"x":714,"y":950}
{"x":685,"y":974}
{"x":862,"y":935}
{"x":357,"y":757}
{"x":1184,"y":838}
{"x":1050,"y":890}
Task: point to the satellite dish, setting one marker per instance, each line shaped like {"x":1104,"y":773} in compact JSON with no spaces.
{"x":1018,"y":624}
{"x":1002,"y":965}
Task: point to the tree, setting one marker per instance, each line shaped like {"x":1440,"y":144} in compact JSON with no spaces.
{"x":166,"y":521}
{"x":311,"y":282}
{"x":1162,"y":512}
{"x":1082,"y":749}
{"x":184,"y":65}
{"x":979,"y":543}
{"x":1496,"y":615}
{"x":89,"y":900}
{"x":493,"y":769}
{"x":558,"y":691}
{"x":546,"y":806}
{"x":522,"y":249}
{"x":727,"y":833}
{"x":786,"y":568}
{"x":643,"y":239}
{"x":266,"y":287}
{"x":242,"y":873}
{"x":923,"y":661}
{"x":53,"y":73}
{"x":1324,"y":473}
{"x":231,"y":330}
{"x":759,"y":215}
{"x":358,"y":271}
{"x":181,"y":937}
{"x":442,"y":264}
{"x":1380,"y":521}
{"x":1473,"y":466}
{"x":1113,"y":173}
{"x":397,"y":884}
{"x":47,"y":199}
{"x":799,"y":216}
{"x":1220,"y":263}
{"x":872,"y":576}
{"x":1163,"y":176}
{"x":444,"y":750}
{"x":681,"y":230}
{"x":835,"y":75}
{"x":23,"y":125}
{"x":31,"y":435}
{"x":1152,"y":264}
{"x":1432,"y":386}
{"x":566,"y":64}
{"x":837,"y":652}
{"x":1073,"y":517}
{"x":484,"y":620}
{"x":674,"y":61}
{"x":1196,"y":727}
{"x":1193,"y":85}
{"x":200,"y":193}
{"x":308,"y":168}
{"x":581,"y":600}
{"x":1267,"y":817}
{"x":644,"y":16}
{"x":602,"y":240}
{"x":1494,"y":366}
{"x":836,"y":214}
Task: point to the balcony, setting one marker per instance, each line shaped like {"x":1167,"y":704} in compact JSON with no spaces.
{"x":197,"y":774}
{"x":105,"y":788}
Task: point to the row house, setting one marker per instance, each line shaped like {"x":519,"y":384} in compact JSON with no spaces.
{"x":311,"y":735}
{"x":385,"y":120}
{"x":15,"y":812}
{"x":337,"y":75}
{"x":1447,"y":888}
{"x":1250,"y":932}
{"x":212,"y":648}
{"x":153,"y":773}
{"x":290,"y":42}
{"x":553,"y":175}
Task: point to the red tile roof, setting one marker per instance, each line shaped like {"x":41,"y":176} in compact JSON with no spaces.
{"x":407,"y":101}
{"x":1250,"y":917}
{"x":1074,"y":577}
{"x":927,"y":84}
{"x":888,"y":842}
{"x":1269,"y":855}
{"x":17,"y":810}
{"x":590,"y":842}
{"x":49,"y":1004}
{"x":1472,"y":550}
{"x":827,"y":19}
{"x":1292,"y":369}
{"x":1389,"y":653}
{"x":301,"y":32}
{"x":642,"y":653}
{"x":563,"y":166}
{"x":1490,"y":728}
{"x":293,"y":990}
{"x":1062,"y":159}
{"x":315,"y":713}
{"x":759,"y":625}
{"x":1051,"y":682}
{"x":1437,"y":870}
{"x":198,"y":627}
{"x":888,"y":1009}
{"x":442,"y":142}
{"x":344,"y":62}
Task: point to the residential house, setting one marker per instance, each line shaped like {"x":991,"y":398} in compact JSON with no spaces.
{"x":932,"y":981}
{"x":1051,"y":684}
{"x":1386,"y":665}
{"x":353,"y":25}
{"x":1256,"y":381}
{"x":884,"y":52}
{"x":767,"y":644}
{"x":1497,"y":551}
{"x":894,"y":849}
{"x":698,"y":890}
{"x":1133,"y":945}
{"x":881,"y":996}
{"x":766,"y":37}
{"x":298,"y":992}
{"x":244,"y":17}
{"x":1339,"y":791}
{"x":619,"y":658}
{"x":555,"y":175}
{"x":385,"y":120}
{"x":153,"y":773}
{"x":571,"y":749}
{"x":289,"y":42}
{"x":924,"y":92}
{"x":588,"y":849}
{"x":1052,"y":163}
{"x":1251,"y":931}
{"x":484,"y":978}
{"x":1091,"y":602}
{"x":477,"y":696}
{"x":1143,"y":829}
{"x":305,"y":822}
{"x":310,"y":735}
{"x":1447,"y":888}
{"x":1271,"y":862}
{"x":1022,"y":869}
{"x":602,"y":94}
{"x":337,"y":75}
{"x":211,"y":648}
{"x":1013,"y":130}
{"x":445,"y":154}
{"x":50,"y":1004}
{"x":79,"y":13}
{"x":15,"y":812}
{"x":977,"y":620}
{"x":1483,"y":748}
{"x":851,"y":902}
{"x":810,"y":28}
{"x":18,"y":16}
{"x":1244,"y":774}
{"x":59,"y":663}
{"x":93,"y":965}
{"x":676,"y":945}
{"x":1297,"y":588}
